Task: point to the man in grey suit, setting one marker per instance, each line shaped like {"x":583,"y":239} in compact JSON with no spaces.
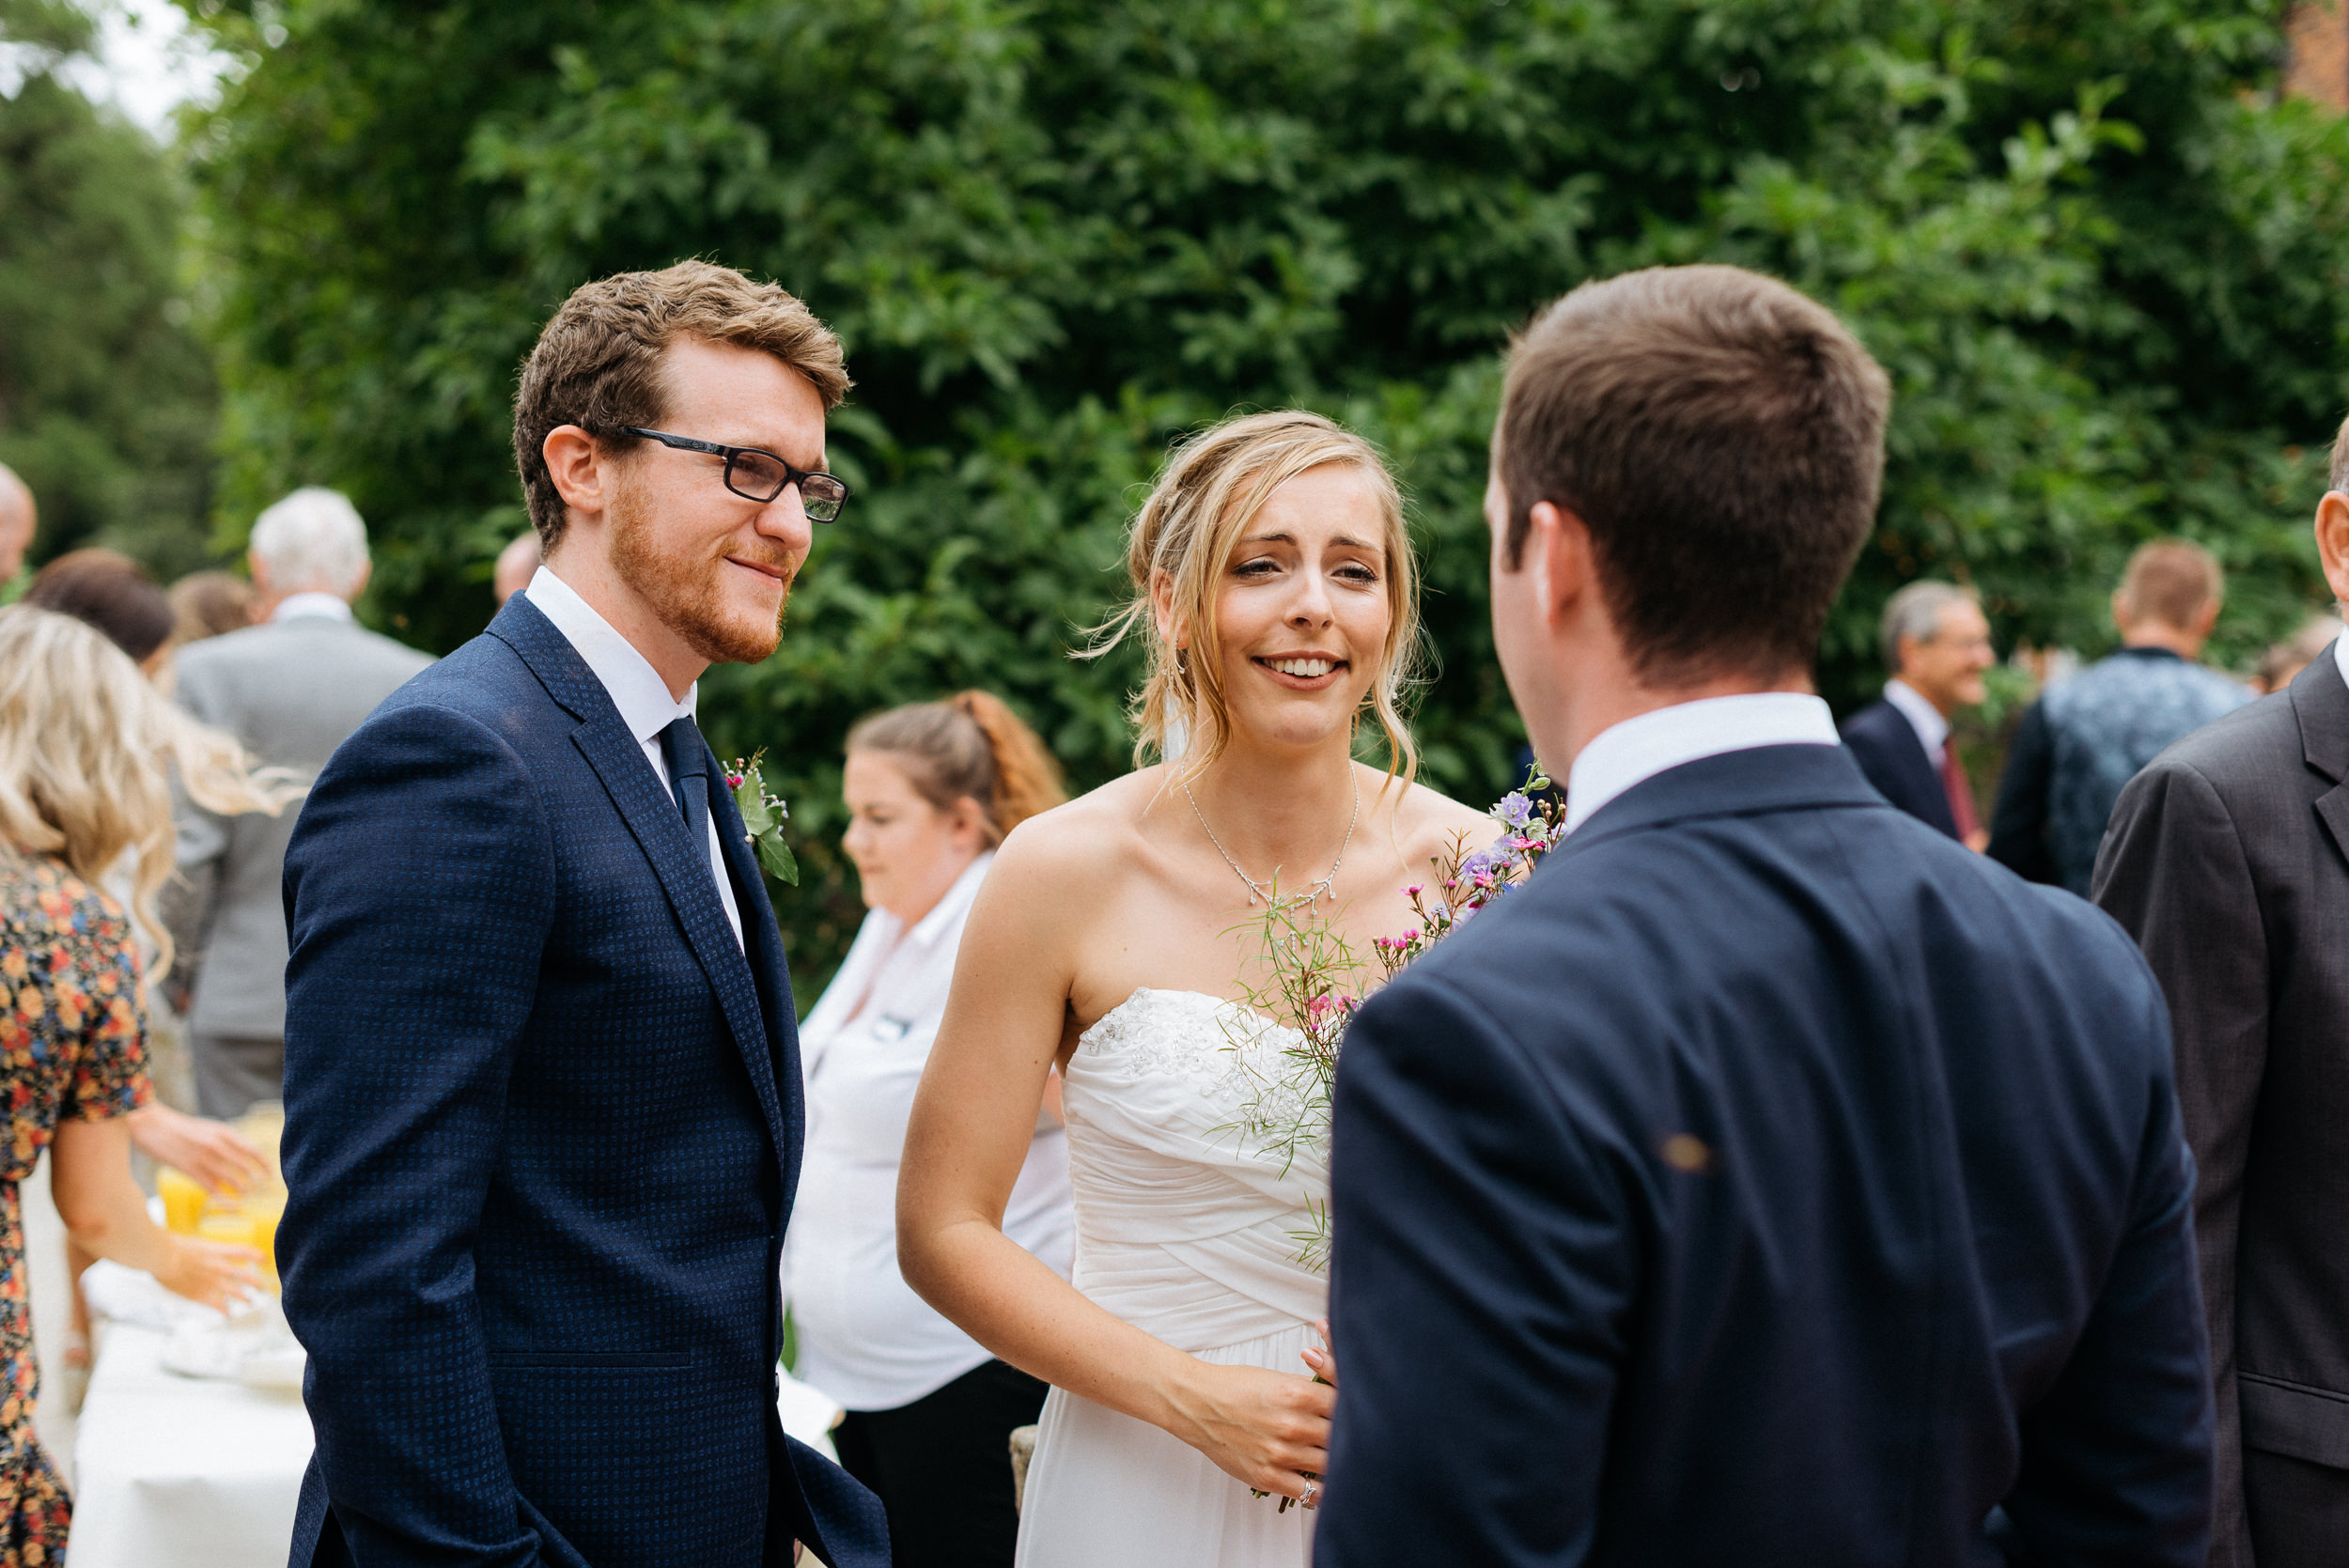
{"x":291,"y":689}
{"x":2228,"y":860}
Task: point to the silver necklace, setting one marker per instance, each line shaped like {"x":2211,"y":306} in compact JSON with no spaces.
{"x":1257,"y":891}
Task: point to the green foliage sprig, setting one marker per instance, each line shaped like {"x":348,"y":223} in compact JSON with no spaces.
{"x":763,"y":816}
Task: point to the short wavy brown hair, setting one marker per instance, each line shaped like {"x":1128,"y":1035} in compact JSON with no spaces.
{"x":1722,"y":438}
{"x":597,"y":364}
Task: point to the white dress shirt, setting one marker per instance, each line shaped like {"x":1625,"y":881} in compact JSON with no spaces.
{"x":312,"y":602}
{"x":865,"y":1338}
{"x":2340,"y":656}
{"x":1933,"y":731}
{"x":638,"y":691}
{"x":1638,"y":748}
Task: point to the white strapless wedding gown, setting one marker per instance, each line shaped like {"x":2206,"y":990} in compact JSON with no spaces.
{"x":1190,"y":1232}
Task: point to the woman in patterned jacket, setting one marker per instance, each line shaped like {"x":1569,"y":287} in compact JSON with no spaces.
{"x":85,"y":745}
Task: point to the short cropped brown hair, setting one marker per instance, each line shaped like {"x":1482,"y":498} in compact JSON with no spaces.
{"x":1722,"y":438}
{"x":597,"y":364}
{"x":2171,"y":581}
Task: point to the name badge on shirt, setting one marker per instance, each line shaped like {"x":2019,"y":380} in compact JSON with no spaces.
{"x":890,"y":1027}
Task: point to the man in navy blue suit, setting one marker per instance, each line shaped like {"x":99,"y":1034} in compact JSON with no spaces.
{"x":1770,"y":1180}
{"x":1937,"y":644}
{"x":542,"y":1083}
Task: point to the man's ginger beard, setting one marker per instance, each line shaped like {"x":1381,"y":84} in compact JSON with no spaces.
{"x":682,"y":591}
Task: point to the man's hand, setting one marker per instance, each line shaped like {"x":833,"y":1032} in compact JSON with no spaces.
{"x":212,"y":1152}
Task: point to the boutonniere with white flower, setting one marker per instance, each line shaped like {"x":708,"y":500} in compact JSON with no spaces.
{"x":763,"y":816}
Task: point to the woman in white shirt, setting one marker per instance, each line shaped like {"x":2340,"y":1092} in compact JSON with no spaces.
{"x":931,"y":789}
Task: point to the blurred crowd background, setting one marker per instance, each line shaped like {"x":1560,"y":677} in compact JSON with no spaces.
{"x":2102,"y":246}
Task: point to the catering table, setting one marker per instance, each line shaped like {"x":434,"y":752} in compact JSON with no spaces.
{"x":183,"y":1472}
{"x":173,"y":1471}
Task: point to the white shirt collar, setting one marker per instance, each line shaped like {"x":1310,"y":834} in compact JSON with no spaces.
{"x":1932,"y":729}
{"x":1638,"y":748}
{"x":634,"y":686}
{"x":318,"y":604}
{"x":2340,"y":656}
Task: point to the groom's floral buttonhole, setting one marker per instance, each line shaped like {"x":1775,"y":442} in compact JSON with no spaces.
{"x":763,"y":816}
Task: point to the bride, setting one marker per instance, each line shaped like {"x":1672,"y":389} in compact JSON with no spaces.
{"x":1276,"y":591}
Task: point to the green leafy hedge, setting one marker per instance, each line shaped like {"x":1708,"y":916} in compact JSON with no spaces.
{"x":2103,"y":265}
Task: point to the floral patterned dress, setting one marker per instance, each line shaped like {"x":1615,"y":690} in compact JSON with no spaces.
{"x":73,"y":1045}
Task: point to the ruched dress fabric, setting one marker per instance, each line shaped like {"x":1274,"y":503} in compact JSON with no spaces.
{"x":1189,"y":1230}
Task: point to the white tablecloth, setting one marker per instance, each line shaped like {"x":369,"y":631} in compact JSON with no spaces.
{"x":183,"y":1472}
{"x":188,"y":1472}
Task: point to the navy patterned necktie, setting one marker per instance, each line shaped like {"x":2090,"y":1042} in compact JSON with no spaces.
{"x":689,"y":772}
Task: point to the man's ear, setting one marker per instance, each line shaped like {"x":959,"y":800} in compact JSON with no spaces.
{"x":2121,"y":620}
{"x":1558,"y":551}
{"x":576,"y":465}
{"x":2332,"y":541}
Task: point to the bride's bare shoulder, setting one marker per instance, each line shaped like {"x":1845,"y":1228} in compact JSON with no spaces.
{"x":1428,"y":823}
{"x":1084,"y":841}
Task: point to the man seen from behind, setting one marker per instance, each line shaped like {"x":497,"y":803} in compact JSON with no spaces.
{"x":1769,"y":1180}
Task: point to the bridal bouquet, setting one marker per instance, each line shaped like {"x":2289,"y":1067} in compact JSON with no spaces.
{"x":1309,"y":977}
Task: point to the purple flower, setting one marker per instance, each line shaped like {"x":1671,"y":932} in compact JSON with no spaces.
{"x":1514,"y":809}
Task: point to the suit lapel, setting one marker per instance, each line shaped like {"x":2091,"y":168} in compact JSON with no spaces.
{"x":681,"y":866}
{"x":2320,"y":700}
{"x":763,"y":945}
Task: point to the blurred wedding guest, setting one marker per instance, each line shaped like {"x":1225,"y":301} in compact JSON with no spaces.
{"x":290,"y":688}
{"x":207,"y":603}
{"x":2087,"y":736}
{"x":2295,"y":653}
{"x":2228,"y":861}
{"x":84,"y":741}
{"x":113,"y":595}
{"x":19,"y":517}
{"x":931,"y":790}
{"x":517,"y":563}
{"x":1937,"y":644}
{"x":106,"y":589}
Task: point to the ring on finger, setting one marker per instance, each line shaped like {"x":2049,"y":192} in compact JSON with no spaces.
{"x":1311,"y":1497}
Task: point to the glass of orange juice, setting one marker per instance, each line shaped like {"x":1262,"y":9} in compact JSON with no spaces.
{"x":183,"y":1200}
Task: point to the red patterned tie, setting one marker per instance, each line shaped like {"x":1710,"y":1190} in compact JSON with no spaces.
{"x":1960,"y":791}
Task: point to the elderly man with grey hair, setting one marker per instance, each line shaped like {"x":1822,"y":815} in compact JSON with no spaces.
{"x":291,"y":689}
{"x":1937,"y":644}
{"x":18,"y":519}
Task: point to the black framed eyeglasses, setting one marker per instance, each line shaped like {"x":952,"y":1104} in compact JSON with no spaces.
{"x":757,"y":474}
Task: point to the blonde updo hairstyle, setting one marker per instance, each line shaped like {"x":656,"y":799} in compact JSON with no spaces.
{"x":971,"y":746}
{"x":1210,"y":490}
{"x":87,"y":750}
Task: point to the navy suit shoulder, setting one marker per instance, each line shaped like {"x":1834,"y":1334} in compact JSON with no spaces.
{"x":508,"y":1220}
{"x":1882,"y":740}
{"x":1809,"y":1189}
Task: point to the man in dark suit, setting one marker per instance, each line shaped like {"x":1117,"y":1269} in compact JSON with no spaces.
{"x":1937,"y":644}
{"x":543,"y":1117}
{"x":2228,"y":858}
{"x":1770,"y":1180}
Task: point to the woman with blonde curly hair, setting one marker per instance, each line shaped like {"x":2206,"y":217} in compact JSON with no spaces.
{"x":1275,"y":592}
{"x":87,"y":746}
